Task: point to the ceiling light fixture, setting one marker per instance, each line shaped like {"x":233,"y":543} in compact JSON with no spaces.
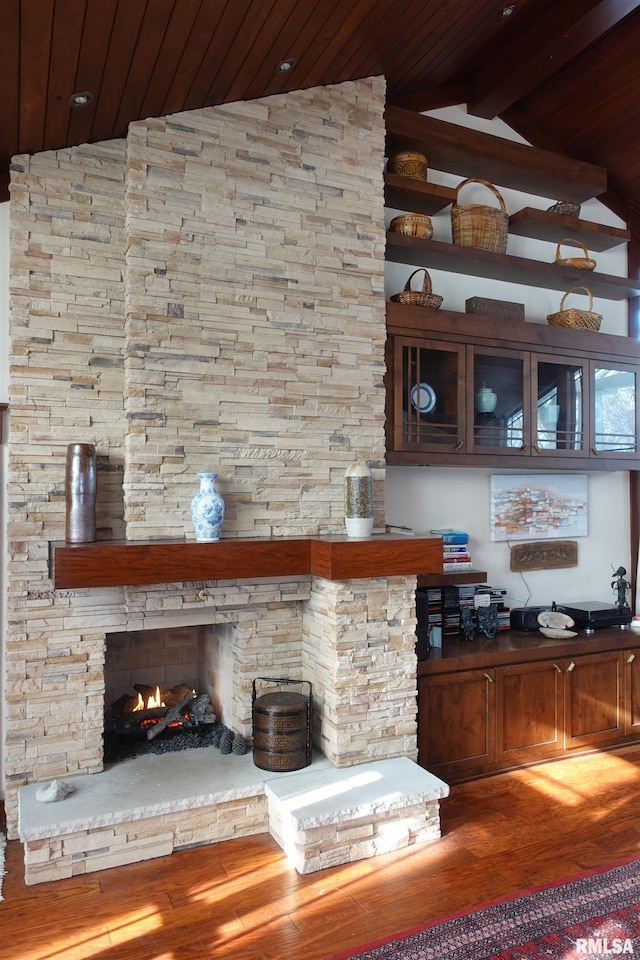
{"x":507,"y":11}
{"x":285,"y":65}
{"x":80,"y":99}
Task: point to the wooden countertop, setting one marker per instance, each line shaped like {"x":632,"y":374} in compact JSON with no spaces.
{"x":513,"y":646}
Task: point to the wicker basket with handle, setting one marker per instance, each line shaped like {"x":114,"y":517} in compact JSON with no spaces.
{"x":575,"y":318}
{"x":418,"y":298}
{"x":583,"y":263}
{"x":477,"y":225}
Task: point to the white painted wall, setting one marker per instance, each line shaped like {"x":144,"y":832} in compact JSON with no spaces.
{"x":433,"y":497}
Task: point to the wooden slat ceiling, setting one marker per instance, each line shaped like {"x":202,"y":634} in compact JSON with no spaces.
{"x":561,"y":72}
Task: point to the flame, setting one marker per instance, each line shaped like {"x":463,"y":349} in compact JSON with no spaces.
{"x":152,"y":702}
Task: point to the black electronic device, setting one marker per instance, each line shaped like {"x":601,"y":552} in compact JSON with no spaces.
{"x":594,"y":615}
{"x":526,"y":618}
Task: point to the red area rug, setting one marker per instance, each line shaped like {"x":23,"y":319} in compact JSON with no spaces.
{"x":592,"y":916}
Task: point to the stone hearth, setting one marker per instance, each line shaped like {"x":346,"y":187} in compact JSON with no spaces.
{"x":321,"y":816}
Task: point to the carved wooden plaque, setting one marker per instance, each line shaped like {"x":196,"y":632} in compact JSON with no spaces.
{"x":544,"y":556}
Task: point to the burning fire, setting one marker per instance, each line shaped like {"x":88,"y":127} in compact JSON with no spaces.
{"x":152,"y":702}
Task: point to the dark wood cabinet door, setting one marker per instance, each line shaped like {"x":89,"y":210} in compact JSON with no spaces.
{"x":593,"y":698}
{"x":528,"y":711}
{"x":456,"y":721}
{"x":632,"y":692}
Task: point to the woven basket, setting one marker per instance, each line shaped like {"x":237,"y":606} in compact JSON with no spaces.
{"x":583,"y":263}
{"x":475,"y":225}
{"x":418,"y":298}
{"x":412,"y":225}
{"x":577,"y":319}
{"x":565,"y":208}
{"x":408,"y":164}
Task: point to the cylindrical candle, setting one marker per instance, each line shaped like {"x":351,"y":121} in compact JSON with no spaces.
{"x":80,"y":493}
{"x":358,"y":500}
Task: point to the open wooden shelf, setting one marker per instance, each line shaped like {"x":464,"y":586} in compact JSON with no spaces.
{"x":541,"y":225}
{"x":115,"y":563}
{"x":451,"y":579}
{"x":471,"y":153}
{"x":436,"y":255}
{"x":416,"y":196}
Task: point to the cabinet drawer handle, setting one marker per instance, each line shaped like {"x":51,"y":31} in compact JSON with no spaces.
{"x":557,"y":668}
{"x":631,"y":658}
{"x":490,"y":679}
{"x":595,"y":452}
{"x":536,"y":448}
{"x":458,"y":445}
{"x":571,"y":667}
{"x":524,"y":446}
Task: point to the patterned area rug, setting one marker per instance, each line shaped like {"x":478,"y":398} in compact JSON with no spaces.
{"x":592,"y":916}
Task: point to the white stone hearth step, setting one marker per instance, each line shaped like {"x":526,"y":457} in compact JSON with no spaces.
{"x":323,"y":817}
{"x":151,"y":806}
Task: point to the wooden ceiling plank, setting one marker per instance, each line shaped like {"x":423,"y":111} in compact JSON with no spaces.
{"x":231,"y":23}
{"x":257,"y":49}
{"x":67,"y":31}
{"x":439,"y":57}
{"x":314,"y":36}
{"x":511,"y":74}
{"x":172,"y":49}
{"x":265,"y":80}
{"x":124,"y":36}
{"x":190,"y":63}
{"x":96,"y":34}
{"x":35,"y":51}
{"x":9,"y":79}
{"x":145,"y":56}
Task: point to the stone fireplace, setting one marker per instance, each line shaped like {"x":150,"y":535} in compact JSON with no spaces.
{"x":206,"y":294}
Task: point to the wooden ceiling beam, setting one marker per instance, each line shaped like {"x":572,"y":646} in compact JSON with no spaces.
{"x":564,"y":32}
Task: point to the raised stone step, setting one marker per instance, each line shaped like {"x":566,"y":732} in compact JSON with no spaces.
{"x":325,"y":817}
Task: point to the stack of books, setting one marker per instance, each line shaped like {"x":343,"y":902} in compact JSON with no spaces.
{"x":455,"y":550}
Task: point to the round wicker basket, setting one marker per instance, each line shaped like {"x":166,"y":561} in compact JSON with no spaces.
{"x":412,"y":225}
{"x":408,"y":164}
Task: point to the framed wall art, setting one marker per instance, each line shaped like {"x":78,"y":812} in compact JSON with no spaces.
{"x":539,"y":507}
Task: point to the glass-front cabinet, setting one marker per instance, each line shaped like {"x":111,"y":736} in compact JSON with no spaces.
{"x":614,"y":411}
{"x":428,"y":398}
{"x":559,"y":387}
{"x":498,"y":414}
{"x":450,"y":401}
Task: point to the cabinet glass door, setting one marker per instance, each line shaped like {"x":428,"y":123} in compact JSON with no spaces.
{"x":499,"y":401}
{"x":559,"y":406}
{"x":614,"y":411}
{"x":428,"y":394}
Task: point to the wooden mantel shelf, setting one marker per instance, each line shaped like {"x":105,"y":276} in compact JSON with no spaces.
{"x":117,"y":563}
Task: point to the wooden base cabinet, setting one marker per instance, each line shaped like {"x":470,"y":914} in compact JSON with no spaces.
{"x":529,"y":711}
{"x":594,"y":700}
{"x":456,"y":721}
{"x":480,"y":721}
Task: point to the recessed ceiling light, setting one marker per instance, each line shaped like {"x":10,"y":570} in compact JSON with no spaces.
{"x":80,"y":99}
{"x":507,"y":11}
{"x":285,"y":65}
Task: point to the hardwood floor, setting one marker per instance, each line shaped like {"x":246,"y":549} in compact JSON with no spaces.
{"x":241,"y":901}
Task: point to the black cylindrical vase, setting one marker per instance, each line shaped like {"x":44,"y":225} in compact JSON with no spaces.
{"x":80,"y":493}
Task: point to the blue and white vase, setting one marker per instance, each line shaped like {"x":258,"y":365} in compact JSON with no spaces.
{"x":207,"y":509}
